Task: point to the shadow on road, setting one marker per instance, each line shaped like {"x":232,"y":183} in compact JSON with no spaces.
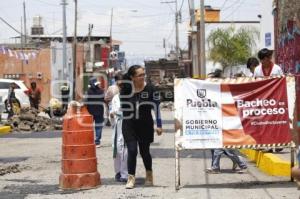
{"x":46,"y":134}
{"x":21,"y":191}
{"x":245,"y":185}
{"x":13,"y":159}
{"x":139,"y":182}
{"x":170,"y":153}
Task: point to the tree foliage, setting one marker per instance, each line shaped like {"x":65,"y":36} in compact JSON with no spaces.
{"x":231,"y":47}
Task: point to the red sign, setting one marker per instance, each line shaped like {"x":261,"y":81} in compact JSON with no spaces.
{"x":263,"y":110}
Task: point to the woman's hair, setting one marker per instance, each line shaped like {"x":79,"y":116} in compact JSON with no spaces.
{"x":132,"y":70}
{"x":126,"y":86}
{"x":252,"y":61}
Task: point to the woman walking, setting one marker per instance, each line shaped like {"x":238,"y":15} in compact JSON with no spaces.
{"x":137,"y":101}
{"x":118,"y":143}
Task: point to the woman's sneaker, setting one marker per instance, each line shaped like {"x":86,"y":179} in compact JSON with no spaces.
{"x":242,"y":170}
{"x":118,"y":177}
{"x":212,"y":171}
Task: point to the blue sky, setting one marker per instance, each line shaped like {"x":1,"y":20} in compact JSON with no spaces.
{"x":140,"y":25}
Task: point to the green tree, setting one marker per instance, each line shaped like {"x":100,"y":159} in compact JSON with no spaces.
{"x":231,"y":47}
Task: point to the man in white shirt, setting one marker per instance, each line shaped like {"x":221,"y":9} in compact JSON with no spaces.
{"x":267,"y":68}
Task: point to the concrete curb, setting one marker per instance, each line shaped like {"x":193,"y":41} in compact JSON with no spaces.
{"x":268,"y":162}
{"x":5,"y":130}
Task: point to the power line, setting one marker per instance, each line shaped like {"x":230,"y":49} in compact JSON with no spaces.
{"x":223,"y":5}
{"x":232,"y":5}
{"x":10,"y":26}
{"x":235,"y":10}
{"x":181,"y":5}
{"x":171,"y":33}
{"x":45,"y":2}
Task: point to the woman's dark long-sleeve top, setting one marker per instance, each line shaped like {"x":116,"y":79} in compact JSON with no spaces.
{"x":137,"y":117}
{"x":95,"y":101}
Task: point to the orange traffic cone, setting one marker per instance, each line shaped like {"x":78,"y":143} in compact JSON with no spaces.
{"x":79,"y":162}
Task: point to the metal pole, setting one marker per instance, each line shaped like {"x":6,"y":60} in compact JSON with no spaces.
{"x":164,"y":45}
{"x":75,"y":52}
{"x":202,"y":42}
{"x":177,"y":169}
{"x":25,"y":29}
{"x":292,"y":161}
{"x":22,"y":41}
{"x":195,"y":56}
{"x":110,"y":36}
{"x":89,"y":42}
{"x":177,"y":31}
{"x":111,"y":24}
{"x":63,"y":3}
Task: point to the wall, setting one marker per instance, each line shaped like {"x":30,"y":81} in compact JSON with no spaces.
{"x":267,"y":24}
{"x":59,"y":74}
{"x":28,"y":73}
{"x":288,"y":55}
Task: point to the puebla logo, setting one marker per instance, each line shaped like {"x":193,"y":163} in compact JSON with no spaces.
{"x":201,"y":93}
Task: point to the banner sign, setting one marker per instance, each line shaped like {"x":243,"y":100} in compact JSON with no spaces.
{"x":202,"y":116}
{"x":217,"y":115}
{"x":19,"y":54}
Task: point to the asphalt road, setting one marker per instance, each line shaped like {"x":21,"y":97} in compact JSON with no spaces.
{"x":39,"y":155}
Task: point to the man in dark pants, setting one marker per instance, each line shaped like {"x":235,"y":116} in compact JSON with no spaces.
{"x":11,"y":99}
{"x":95,"y":105}
{"x":65,"y":91}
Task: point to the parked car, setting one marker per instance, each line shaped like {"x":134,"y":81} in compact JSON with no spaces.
{"x":21,"y":92}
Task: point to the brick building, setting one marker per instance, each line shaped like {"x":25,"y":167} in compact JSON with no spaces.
{"x":42,"y":62}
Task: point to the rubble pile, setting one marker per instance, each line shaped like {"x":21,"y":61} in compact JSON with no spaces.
{"x":30,"y":120}
{"x":9,"y":169}
{"x":166,"y":82}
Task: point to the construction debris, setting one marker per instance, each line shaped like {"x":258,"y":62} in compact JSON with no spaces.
{"x":30,"y":120}
{"x":9,"y":169}
{"x":169,"y":106}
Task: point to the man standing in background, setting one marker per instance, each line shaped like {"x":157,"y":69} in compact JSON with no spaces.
{"x":34,"y":96}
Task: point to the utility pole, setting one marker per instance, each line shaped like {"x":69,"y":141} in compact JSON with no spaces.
{"x":110,"y":37}
{"x":64,"y":3}
{"x":75,"y":53}
{"x":176,"y":29}
{"x":25,"y":28}
{"x":164,"y":46}
{"x":111,"y":24}
{"x":195,"y":55}
{"x":177,"y":32}
{"x":22,"y":45}
{"x":89,"y":42}
{"x":202,"y":42}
